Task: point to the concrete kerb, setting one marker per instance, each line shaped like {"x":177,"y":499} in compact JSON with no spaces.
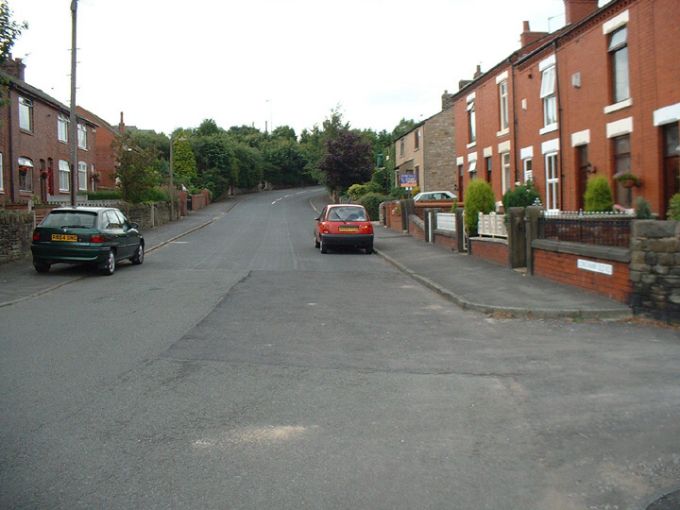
{"x":514,"y":312}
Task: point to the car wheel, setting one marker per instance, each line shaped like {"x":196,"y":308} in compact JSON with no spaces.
{"x":41,"y":267}
{"x":369,"y":249}
{"x":138,"y":257}
{"x":323,"y":247}
{"x":109,"y":267}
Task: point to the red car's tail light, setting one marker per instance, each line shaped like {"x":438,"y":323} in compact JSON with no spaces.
{"x":366,"y":228}
{"x":97,"y":238}
{"x":324,"y":228}
{"x":36,"y":235}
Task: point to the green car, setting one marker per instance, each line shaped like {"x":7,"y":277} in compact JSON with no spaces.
{"x":100,"y":236}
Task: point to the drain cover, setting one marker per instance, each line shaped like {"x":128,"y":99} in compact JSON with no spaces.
{"x":668,"y":502}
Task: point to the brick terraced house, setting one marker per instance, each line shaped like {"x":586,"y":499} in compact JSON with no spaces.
{"x":601,"y":96}
{"x":34,"y":149}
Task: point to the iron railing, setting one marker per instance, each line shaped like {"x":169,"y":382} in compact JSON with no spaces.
{"x":605,"y":229}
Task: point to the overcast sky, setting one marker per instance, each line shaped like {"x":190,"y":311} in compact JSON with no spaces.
{"x":173,"y":63}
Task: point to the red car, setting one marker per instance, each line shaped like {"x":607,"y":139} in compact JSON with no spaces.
{"x":343,"y":225}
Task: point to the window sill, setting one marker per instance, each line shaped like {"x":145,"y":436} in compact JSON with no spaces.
{"x":25,"y":131}
{"x":471,"y":145}
{"x":618,"y":106}
{"x":548,"y":129}
{"x":503,"y":132}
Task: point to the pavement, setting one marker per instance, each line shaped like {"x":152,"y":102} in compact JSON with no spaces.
{"x":467,"y":281}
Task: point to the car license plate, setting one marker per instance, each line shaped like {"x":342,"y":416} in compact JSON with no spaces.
{"x":348,"y":229}
{"x":65,"y":237}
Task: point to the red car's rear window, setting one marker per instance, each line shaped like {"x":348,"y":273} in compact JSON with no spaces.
{"x":346,"y":214}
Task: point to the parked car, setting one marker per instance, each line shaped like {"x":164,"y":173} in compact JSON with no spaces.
{"x":343,"y":225}
{"x":100,"y":236}
{"x":428,"y":196}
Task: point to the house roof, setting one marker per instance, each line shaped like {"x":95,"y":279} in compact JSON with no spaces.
{"x":36,"y":93}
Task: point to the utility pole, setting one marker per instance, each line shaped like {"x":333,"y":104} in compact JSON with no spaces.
{"x":73,"y":120}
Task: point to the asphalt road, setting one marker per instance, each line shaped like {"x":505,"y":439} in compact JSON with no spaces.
{"x":239,"y":368}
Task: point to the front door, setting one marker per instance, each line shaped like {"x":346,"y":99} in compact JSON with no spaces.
{"x":582,"y":169}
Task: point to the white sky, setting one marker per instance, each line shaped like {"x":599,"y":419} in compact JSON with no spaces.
{"x":173,"y":63}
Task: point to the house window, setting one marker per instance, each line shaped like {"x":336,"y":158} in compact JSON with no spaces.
{"x":25,"y":114}
{"x":25,"y":174}
{"x":472,"y":122}
{"x":503,"y":96}
{"x":401,"y":147}
{"x":506,"y":177}
{"x":472,"y":168}
{"x":552,"y":182}
{"x":671,"y":161}
{"x":62,"y":128}
{"x":416,"y":139}
{"x":528,"y":165}
{"x":618,"y":59}
{"x":549,"y":97}
{"x":2,"y":171}
{"x":64,"y":176}
{"x":621,"y":150}
{"x":82,"y":176}
{"x":487,"y":165}
{"x":82,"y":136}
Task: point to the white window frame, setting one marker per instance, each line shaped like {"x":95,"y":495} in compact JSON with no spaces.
{"x":504,"y":106}
{"x":549,"y":97}
{"x":82,"y":176}
{"x":552,"y":181}
{"x":64,"y":176}
{"x":82,"y":136}
{"x":506,"y":177}
{"x":471,"y":122}
{"x":25,"y":114}
{"x":528,"y":168}
{"x":62,"y":128}
{"x":27,"y":184}
{"x":619,"y":96}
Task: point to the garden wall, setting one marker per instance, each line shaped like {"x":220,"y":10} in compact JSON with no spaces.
{"x":16,"y":229}
{"x":492,"y":250}
{"x":655,"y":269}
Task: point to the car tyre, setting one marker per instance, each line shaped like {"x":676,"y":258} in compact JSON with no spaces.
{"x":369,"y":249}
{"x":323,"y":247}
{"x":109,"y":267}
{"x":41,"y":267}
{"x":138,"y":257}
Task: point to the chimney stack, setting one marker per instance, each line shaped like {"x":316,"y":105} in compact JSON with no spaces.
{"x":478,"y":72}
{"x":576,"y":10}
{"x":447,"y":100}
{"x":528,"y":38}
{"x":15,"y":67}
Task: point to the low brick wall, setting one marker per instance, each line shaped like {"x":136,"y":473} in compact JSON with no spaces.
{"x":446,"y":239}
{"x":585,"y":266}
{"x":393,"y":217}
{"x":200,"y":200}
{"x":416,"y":228}
{"x":493,"y":250}
{"x":16,"y":231}
{"x":655,"y":269}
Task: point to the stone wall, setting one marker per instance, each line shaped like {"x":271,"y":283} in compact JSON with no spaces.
{"x":147,"y":216}
{"x":16,"y":230}
{"x":655,"y":269}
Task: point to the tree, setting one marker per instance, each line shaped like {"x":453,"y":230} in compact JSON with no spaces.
{"x":598,"y":196}
{"x":479,"y":197}
{"x":183,"y":162}
{"x":249,"y":163}
{"x":347,"y":160}
{"x":10,"y":31}
{"x":137,"y":169}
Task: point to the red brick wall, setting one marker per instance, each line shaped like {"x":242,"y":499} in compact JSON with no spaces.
{"x":562,"y":268}
{"x":492,"y":251}
{"x":416,"y":231}
{"x":446,"y":241}
{"x":393,"y":216}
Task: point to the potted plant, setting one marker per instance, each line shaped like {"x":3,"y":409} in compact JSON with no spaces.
{"x":628,"y":180}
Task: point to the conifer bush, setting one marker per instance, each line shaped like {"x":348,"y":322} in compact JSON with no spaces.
{"x":598,"y":196}
{"x":674,"y":208}
{"x":479,"y":197}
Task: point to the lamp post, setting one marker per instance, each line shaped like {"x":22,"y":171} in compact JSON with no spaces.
{"x":72,"y":117}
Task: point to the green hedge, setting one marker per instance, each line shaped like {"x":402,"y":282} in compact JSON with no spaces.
{"x":371,"y":201}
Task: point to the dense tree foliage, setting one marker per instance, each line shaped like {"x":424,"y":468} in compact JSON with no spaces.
{"x":347,"y":159}
{"x":137,"y":170}
{"x":10,"y":30}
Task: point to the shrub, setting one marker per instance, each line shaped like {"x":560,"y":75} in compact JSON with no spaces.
{"x":398,"y":193}
{"x":356,"y":191}
{"x":523,"y":195}
{"x":479,"y":197}
{"x":155,"y":195}
{"x":674,"y":208}
{"x":643,"y":210}
{"x":104,"y":195}
{"x":598,"y":195}
{"x":371,"y":201}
